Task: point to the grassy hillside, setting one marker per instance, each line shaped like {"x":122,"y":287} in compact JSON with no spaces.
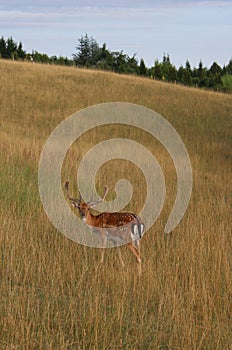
{"x":54,"y":293}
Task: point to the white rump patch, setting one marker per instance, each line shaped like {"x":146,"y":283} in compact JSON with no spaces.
{"x":142,"y":229}
{"x":135,"y":230}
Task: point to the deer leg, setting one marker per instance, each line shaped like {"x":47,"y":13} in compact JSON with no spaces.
{"x":104,"y":238}
{"x":120,"y":257}
{"x":136,"y":245}
{"x":134,"y":251}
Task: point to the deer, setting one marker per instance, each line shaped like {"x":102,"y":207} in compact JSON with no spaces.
{"x":124,"y":227}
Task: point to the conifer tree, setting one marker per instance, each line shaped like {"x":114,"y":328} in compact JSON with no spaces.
{"x":3,"y":47}
{"x":142,"y":68}
{"x":11,"y":48}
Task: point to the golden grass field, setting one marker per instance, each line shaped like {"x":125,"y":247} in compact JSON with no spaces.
{"x":55,"y":294}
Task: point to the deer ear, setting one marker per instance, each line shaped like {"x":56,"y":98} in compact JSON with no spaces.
{"x":74,"y":205}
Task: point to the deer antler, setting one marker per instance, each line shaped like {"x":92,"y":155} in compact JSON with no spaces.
{"x":93,"y":203}
{"x":73,"y":200}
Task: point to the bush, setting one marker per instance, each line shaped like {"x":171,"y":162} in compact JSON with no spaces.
{"x":227,"y":83}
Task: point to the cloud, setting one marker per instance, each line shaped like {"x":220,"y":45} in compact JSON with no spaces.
{"x":128,"y":13}
{"x":69,"y":16}
{"x":184,"y":28}
{"x":44,"y":5}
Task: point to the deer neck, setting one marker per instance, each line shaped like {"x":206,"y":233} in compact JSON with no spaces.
{"x":92,"y":219}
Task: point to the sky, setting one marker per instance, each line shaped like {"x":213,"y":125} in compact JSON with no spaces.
{"x":191,"y":30}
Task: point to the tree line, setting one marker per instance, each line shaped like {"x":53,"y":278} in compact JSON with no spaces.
{"x":9,"y":49}
{"x":89,"y":54}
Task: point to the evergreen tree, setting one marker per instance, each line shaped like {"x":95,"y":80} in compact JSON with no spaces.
{"x":3,"y":48}
{"x":185,"y":74}
{"x":168,"y":70}
{"x":118,"y":61}
{"x":186,"y":77}
{"x":166,"y":59}
{"x":195,"y":78}
{"x":201,"y":74}
{"x":11,"y":48}
{"x":142,"y":68}
{"x":104,"y":52}
{"x":21,"y":53}
{"x":180,"y":74}
{"x":104,"y":59}
{"x":188,"y":66}
{"x":95,"y":52}
{"x":214,"y":76}
{"x":132,"y":65}
{"x":172,"y":73}
{"x":215,"y":68}
{"x":88,"y":52}
{"x":158,"y":70}
{"x":228,"y":68}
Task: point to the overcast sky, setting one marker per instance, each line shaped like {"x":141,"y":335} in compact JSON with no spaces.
{"x":185,"y":29}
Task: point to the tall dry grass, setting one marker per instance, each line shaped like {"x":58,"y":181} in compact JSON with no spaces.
{"x":54,"y":292}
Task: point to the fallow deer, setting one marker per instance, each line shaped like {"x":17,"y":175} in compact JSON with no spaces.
{"x":122,"y":227}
